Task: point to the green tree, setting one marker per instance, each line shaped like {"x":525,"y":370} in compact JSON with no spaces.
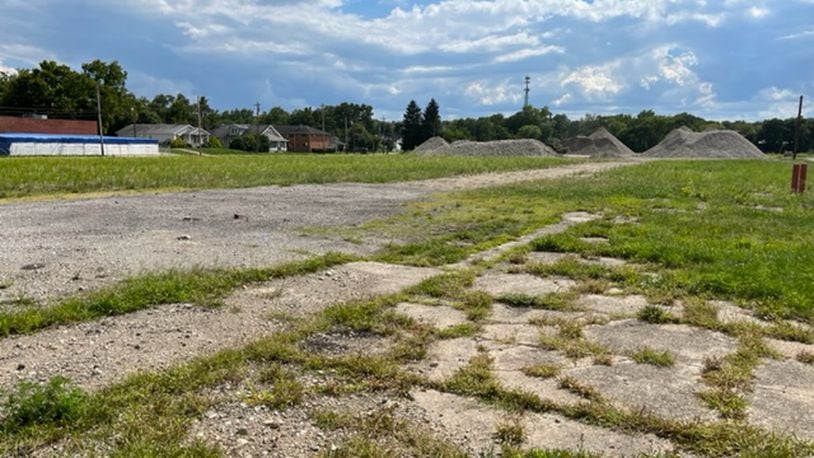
{"x":530,"y":131}
{"x":411,"y":130}
{"x":431,"y":124}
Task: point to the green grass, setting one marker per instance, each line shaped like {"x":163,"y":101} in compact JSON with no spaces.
{"x":653,"y":357}
{"x":728,"y":249}
{"x":542,"y":371}
{"x":204,"y":287}
{"x":22,"y":177}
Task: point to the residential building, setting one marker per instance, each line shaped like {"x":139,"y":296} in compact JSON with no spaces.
{"x":306,"y":138}
{"x":166,"y":133}
{"x":228,"y":132}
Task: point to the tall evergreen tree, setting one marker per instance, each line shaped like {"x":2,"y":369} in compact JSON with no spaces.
{"x":411,"y":130}
{"x":431,"y":124}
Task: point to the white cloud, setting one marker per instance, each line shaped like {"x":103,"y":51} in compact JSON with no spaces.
{"x":599,"y":81}
{"x":758,"y":12}
{"x":488,"y":94}
{"x":523,"y":54}
{"x":794,"y":36}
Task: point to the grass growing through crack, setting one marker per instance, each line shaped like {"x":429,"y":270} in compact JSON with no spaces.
{"x":562,"y":301}
{"x":543,"y":371}
{"x":730,"y":378}
{"x":653,"y":357}
{"x":205,"y":287}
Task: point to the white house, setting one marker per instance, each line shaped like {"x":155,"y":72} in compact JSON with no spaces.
{"x":165,"y":133}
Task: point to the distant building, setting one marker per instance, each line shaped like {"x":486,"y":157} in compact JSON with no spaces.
{"x":166,"y":133}
{"x":43,"y":125}
{"x":228,"y":132}
{"x":306,"y":139}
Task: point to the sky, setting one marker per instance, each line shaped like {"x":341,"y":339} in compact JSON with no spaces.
{"x":720,"y":59}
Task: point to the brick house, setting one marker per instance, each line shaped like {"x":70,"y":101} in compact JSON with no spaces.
{"x":306,"y":139}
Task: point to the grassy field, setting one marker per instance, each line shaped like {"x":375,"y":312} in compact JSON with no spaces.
{"x":722,"y":229}
{"x":23,"y":177}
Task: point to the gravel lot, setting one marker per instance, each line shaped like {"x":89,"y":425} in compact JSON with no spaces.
{"x":53,"y":248}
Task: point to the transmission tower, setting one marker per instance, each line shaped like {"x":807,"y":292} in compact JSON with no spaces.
{"x":527,"y":90}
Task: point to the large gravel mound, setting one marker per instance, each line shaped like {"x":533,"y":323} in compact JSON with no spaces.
{"x":683,"y":142}
{"x":599,"y":144}
{"x":524,"y":147}
{"x":433,"y":144}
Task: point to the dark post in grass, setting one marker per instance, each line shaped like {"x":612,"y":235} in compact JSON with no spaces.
{"x":797,"y":129}
{"x":798,"y":178}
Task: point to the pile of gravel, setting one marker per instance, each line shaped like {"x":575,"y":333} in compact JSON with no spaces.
{"x":433,"y":144}
{"x":683,"y":142}
{"x":524,"y":147}
{"x":599,"y":144}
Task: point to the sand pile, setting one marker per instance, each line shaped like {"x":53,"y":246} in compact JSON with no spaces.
{"x":599,"y":144}
{"x":683,"y":142}
{"x":524,"y":147}
{"x":433,"y":144}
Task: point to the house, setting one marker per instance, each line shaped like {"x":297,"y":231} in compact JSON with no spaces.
{"x":43,"y":125}
{"x":306,"y":138}
{"x":228,"y":132}
{"x":166,"y":133}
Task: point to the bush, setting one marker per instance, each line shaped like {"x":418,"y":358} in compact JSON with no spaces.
{"x":55,"y":403}
{"x":178,"y":143}
{"x":248,"y":143}
{"x":214,"y":142}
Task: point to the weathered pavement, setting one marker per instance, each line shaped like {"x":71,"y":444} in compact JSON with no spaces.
{"x":53,"y":248}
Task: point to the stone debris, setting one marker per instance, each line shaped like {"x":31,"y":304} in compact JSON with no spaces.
{"x":523,"y":147}
{"x":683,"y":142}
{"x":601,"y":143}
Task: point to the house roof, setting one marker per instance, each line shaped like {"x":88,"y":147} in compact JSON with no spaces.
{"x":146,"y":130}
{"x":290,"y":130}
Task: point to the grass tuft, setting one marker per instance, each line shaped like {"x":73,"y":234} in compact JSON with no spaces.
{"x":653,"y":357}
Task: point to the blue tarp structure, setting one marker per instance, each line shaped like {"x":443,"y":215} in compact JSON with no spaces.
{"x":73,"y":144}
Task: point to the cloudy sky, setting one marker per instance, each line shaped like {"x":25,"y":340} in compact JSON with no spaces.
{"x":722,"y":59}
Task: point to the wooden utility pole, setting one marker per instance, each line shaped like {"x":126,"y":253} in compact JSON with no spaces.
{"x":797,"y":129}
{"x":200,"y":129}
{"x":257,"y":128}
{"x":99,"y":118}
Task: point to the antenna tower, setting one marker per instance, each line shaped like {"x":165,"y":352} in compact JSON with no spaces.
{"x":527,"y":90}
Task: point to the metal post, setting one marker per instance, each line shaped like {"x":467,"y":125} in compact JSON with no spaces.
{"x":99,"y":119}
{"x":200,"y":142}
{"x":797,"y":129}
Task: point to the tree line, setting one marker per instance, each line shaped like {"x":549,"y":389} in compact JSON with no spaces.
{"x":61,"y":92}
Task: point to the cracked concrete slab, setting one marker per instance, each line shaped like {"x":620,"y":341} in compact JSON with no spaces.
{"x":476,"y":424}
{"x":500,"y":284}
{"x":783,"y":399}
{"x":522,"y":334}
{"x":612,"y":305}
{"x":311,"y":293}
{"x":669,"y":392}
{"x":688,"y":344}
{"x":437,"y":316}
{"x":445,"y":357}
